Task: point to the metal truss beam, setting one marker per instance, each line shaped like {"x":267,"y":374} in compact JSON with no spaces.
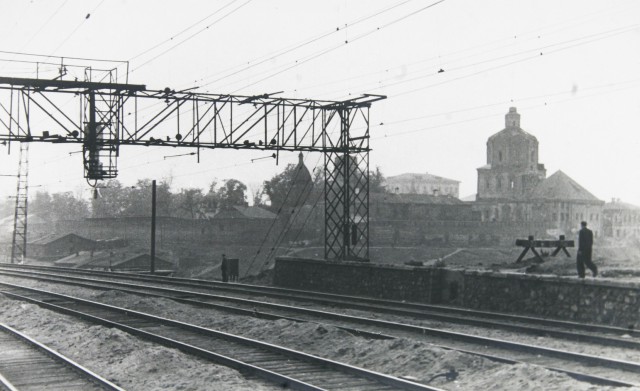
{"x":102,"y":116}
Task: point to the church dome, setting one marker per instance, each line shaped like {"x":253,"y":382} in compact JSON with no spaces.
{"x":512,"y":128}
{"x":302,"y":176}
{"x":301,"y":185}
{"x":512,"y":146}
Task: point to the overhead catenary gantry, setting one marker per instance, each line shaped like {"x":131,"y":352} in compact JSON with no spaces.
{"x":103,"y":116}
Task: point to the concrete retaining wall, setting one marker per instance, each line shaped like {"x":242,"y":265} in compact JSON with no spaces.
{"x":564,"y":298}
{"x":359,"y":279}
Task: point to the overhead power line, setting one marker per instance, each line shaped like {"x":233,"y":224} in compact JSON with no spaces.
{"x":85,"y":18}
{"x":43,"y":25}
{"x":323,"y":52}
{"x":65,"y":57}
{"x":494,"y":114}
{"x":535,"y":54}
{"x":182,"y":31}
{"x":192,"y":36}
{"x":261,"y":60}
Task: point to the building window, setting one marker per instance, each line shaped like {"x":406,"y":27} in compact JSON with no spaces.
{"x":554,"y":216}
{"x":499,"y":184}
{"x":499,"y":156}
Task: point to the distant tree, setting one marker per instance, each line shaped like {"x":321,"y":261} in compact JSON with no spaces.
{"x":376,"y":181}
{"x":116,"y":200}
{"x":277,"y":188}
{"x":110,"y":201}
{"x":137,"y":199}
{"x":7,"y":208}
{"x":59,"y":206}
{"x":40,"y":205}
{"x":258,"y":197}
{"x":232,"y":193}
{"x":65,"y":206}
{"x":317,"y":192}
{"x":188,"y":202}
{"x":211,"y":200}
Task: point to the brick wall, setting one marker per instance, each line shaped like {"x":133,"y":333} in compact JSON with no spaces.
{"x":564,"y":298}
{"x":359,"y":279}
{"x":169,"y":230}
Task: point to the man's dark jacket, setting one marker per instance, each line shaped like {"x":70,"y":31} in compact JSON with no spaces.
{"x":585,"y":243}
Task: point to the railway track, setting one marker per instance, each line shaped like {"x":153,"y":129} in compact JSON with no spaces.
{"x":581,"y":332}
{"x":26,"y":364}
{"x":285,"y":367}
{"x":601,"y":370}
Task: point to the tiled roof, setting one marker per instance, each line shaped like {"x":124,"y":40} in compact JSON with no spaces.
{"x":511,"y":132}
{"x":245,"y":212}
{"x":53,"y":237}
{"x":413,"y":199}
{"x":255,"y":212}
{"x":560,"y":186}
{"x":426,"y":177}
{"x":618,"y":205}
{"x":83,"y":258}
{"x":119,"y":260}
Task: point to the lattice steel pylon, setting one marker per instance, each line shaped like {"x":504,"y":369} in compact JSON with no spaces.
{"x":19,"y":243}
{"x":347,"y":193}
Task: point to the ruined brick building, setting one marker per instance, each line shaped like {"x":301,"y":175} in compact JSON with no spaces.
{"x":621,"y":220}
{"x":513,"y":187}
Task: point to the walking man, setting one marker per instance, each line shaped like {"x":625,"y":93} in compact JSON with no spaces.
{"x":585,"y":244}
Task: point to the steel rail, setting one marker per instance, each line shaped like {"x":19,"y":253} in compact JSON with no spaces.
{"x":65,"y":371}
{"x":425,"y":311}
{"x":267,"y":358}
{"x":187,"y":298}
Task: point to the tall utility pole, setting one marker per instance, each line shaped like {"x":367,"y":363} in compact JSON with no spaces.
{"x":19,"y":243}
{"x":152,"y":268}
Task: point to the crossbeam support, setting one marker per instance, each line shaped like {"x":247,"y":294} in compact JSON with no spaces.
{"x":107,"y":115}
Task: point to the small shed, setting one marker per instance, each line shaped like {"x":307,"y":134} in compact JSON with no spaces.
{"x":56,"y":246}
{"x":77,"y":260}
{"x":240,"y":224}
{"x":105,"y":244}
{"x":133,"y":263}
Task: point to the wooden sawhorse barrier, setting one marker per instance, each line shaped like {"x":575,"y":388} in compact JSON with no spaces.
{"x":531,"y":244}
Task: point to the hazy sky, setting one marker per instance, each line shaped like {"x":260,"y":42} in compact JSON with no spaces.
{"x":570,"y":67}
